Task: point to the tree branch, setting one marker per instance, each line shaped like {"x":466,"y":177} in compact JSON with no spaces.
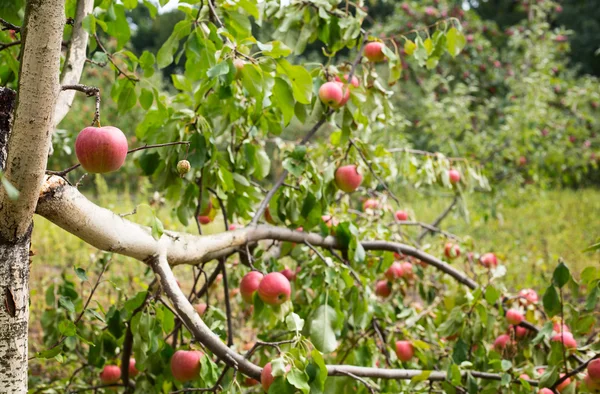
{"x":439,"y":219}
{"x":4,"y":46}
{"x":9,"y":26}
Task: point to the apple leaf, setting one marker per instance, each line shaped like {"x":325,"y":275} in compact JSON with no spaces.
{"x":561,"y":275}
{"x":551,"y":301}
{"x":321,"y":329}
{"x":298,"y":379}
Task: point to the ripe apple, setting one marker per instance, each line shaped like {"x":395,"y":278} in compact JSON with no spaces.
{"x":452,"y":250}
{"x":395,"y":271}
{"x":266,"y":376}
{"x":331,"y":94}
{"x":185,"y":365}
{"x":558,"y":328}
{"x":383,"y":289}
{"x":249,"y":284}
{"x":205,"y":210}
{"x":454,"y":176}
{"x":564,"y":384}
{"x":330,"y":221}
{"x":567,"y":339}
{"x":101,"y":149}
{"x":545,"y":391}
{"x":110,"y":374}
{"x":593,"y":370}
{"x":404,"y":350}
{"x":133,"y":371}
{"x":289,"y":274}
{"x":374,"y":52}
{"x":501,"y":342}
{"x":354,"y":82}
{"x":520,"y":332}
{"x":345,"y":93}
{"x":529,"y":295}
{"x":274,"y":289}
{"x":514,"y":317}
{"x":592,"y":385}
{"x":370,"y":203}
{"x":401,"y":215}
{"x":347,"y":178}
{"x":524,"y":376}
{"x":205,"y":219}
{"x":200,"y":308}
{"x":489,"y":260}
{"x":407,"y":270}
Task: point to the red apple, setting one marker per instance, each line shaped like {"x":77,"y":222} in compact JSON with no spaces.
{"x":101,"y":149}
{"x":564,"y":384}
{"x":454,"y":176}
{"x":234,"y":226}
{"x":274,"y":289}
{"x":407,"y":270}
{"x":592,"y":385}
{"x":133,"y":371}
{"x":330,"y":221}
{"x":514,"y":317}
{"x":520,"y":332}
{"x":289,"y":274}
{"x":452,"y":250}
{"x":558,"y":328}
{"x":529,"y":295}
{"x":374,"y":52}
{"x":249,"y":284}
{"x":205,"y":211}
{"x":501,"y":342}
{"x":200,"y":308}
{"x":331,"y":94}
{"x":404,"y":350}
{"x":205,"y":219}
{"x":345,"y":93}
{"x":110,"y":374}
{"x":382,"y":288}
{"x":370,"y":203}
{"x":488,"y":260}
{"x":567,"y":339}
{"x":347,"y":178}
{"x":545,"y":391}
{"x":401,"y":215}
{"x":185,"y":365}
{"x":524,"y":376}
{"x":593,"y":370}
{"x":395,"y":271}
{"x":522,"y":161}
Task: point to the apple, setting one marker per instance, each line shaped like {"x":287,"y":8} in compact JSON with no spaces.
{"x":395,"y":271}
{"x":289,"y":274}
{"x":370,"y":203}
{"x":185,"y":364}
{"x":524,"y":376}
{"x":501,"y":342}
{"x":407,"y":270}
{"x":133,"y":371}
{"x":110,"y":374}
{"x":248,"y":381}
{"x":522,"y":161}
{"x":545,"y":391}
{"x":454,"y":176}
{"x":567,"y":339}
{"x":205,"y":210}
{"x":404,"y":350}
{"x":489,"y":260}
{"x":514,"y":317}
{"x":558,"y":328}
{"x":529,"y":295}
{"x":347,"y":178}
{"x":266,"y":376}
{"x":249,"y":284}
{"x":200,"y":308}
{"x":345,"y":93}
{"x":520,"y":332}
{"x":382,"y":288}
{"x":564,"y":384}
{"x":330,"y":221}
{"x":331,"y":94}
{"x":274,"y":289}
{"x":354,"y":81}
{"x":593,"y":370}
{"x":101,"y":149}
{"x":234,"y":226}
{"x":591,"y":384}
{"x":401,"y":215}
{"x":205,"y":219}
{"x":183,"y":167}
{"x":374,"y":52}
{"x":452,"y":250}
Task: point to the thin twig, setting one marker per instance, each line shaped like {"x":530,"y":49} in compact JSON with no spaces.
{"x":8,"y":45}
{"x":9,"y":26}
{"x":89,"y":91}
{"x":427,"y":227}
{"x":439,"y":219}
{"x":112,"y":60}
{"x":367,"y":384}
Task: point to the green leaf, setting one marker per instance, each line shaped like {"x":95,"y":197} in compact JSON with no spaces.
{"x":592,"y":298}
{"x":182,"y":83}
{"x":321,"y":329}
{"x":81,"y":274}
{"x":274,"y":49}
{"x":592,"y":248}
{"x":157,"y":228}
{"x":551,"y":301}
{"x":220,"y":69}
{"x":67,"y":328}
{"x":147,"y":61}
{"x":252,"y":79}
{"x":294,"y":322}
{"x":284,"y":99}
{"x":146,"y":99}
{"x":127,"y":98}
{"x":423,"y":376}
{"x":561,"y":275}
{"x":492,"y":294}
{"x":50,"y":353}
{"x":66,"y":303}
{"x":89,"y":24}
{"x":208,"y":371}
{"x":300,"y":79}
{"x":298,"y":379}
{"x":455,"y":42}
{"x":168,"y":49}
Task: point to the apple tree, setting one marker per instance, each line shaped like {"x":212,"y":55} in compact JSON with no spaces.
{"x":340,"y":289}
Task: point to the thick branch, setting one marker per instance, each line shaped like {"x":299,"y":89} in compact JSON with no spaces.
{"x":30,"y":137}
{"x":75,"y":60}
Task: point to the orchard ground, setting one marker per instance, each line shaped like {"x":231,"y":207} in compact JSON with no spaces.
{"x":530,"y":231}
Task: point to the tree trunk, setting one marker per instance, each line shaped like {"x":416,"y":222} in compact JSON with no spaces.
{"x":14,"y":283}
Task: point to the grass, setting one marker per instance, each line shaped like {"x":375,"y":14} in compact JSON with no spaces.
{"x":528,"y":229}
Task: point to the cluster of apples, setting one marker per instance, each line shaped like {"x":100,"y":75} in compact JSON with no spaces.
{"x":397,"y":271}
{"x":336,"y":93}
{"x":112,"y":373}
{"x":452,"y":251}
{"x":273,"y":288}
